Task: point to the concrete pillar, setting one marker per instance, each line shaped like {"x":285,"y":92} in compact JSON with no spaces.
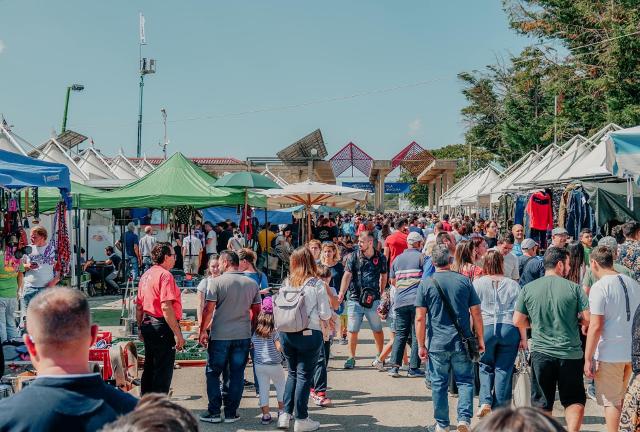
{"x":430,"y":195}
{"x":438,"y":186}
{"x":449,"y":180}
{"x":379,"y":185}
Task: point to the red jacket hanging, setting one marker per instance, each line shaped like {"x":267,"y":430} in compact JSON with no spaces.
{"x":539,"y":211}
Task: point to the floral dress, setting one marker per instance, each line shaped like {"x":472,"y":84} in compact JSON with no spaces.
{"x":630,"y":415}
{"x":629,"y":256}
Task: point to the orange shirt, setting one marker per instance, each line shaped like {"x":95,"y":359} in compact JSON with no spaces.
{"x":157,"y":285}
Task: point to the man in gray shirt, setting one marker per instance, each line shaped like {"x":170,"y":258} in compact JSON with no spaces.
{"x":234,"y":298}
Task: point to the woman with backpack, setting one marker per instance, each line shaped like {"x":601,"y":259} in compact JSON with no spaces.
{"x":299,"y":307}
{"x":502,"y":339}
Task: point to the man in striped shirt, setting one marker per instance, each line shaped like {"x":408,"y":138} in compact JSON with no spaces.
{"x":406,"y":273}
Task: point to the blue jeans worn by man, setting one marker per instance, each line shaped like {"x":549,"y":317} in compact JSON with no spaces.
{"x":222,"y":354}
{"x":496,"y":364}
{"x":405,"y":334}
{"x":440,"y":365}
{"x":8,"y":329}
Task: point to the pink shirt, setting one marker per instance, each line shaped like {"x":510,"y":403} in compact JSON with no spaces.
{"x":157,"y":285}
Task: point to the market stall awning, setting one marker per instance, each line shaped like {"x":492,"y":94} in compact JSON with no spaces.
{"x":623,"y":153}
{"x":610,"y":201}
{"x":25,"y":171}
{"x":309,"y":193}
{"x":49,"y":197}
{"x":176,"y":182}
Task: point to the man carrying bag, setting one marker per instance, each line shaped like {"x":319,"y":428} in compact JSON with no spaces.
{"x":448,"y":299}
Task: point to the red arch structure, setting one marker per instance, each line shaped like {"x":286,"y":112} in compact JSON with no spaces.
{"x":351,"y":156}
{"x":413,"y":158}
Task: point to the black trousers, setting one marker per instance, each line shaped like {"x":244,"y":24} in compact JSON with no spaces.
{"x":159,"y":355}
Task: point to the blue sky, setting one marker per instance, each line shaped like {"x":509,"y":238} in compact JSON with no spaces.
{"x":218,"y":61}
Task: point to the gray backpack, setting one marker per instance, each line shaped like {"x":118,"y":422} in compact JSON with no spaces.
{"x":289,"y":309}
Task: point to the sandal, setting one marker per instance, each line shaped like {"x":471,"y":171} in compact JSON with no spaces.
{"x":266,"y":419}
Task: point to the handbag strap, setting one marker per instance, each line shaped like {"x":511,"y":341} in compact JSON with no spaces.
{"x":626,"y":297}
{"x":449,"y":309}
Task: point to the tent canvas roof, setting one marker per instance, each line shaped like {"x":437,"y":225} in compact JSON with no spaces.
{"x":452,"y":196}
{"x":487,"y":177}
{"x":122,"y":168}
{"x":176,"y":182}
{"x":94,"y":165}
{"x":48,"y":197}
{"x":52,"y":151}
{"x":8,"y":141}
{"x":594,"y":164}
{"x":549,"y":155}
{"x":555,"y":173}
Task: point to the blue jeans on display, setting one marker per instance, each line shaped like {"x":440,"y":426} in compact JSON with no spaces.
{"x":301,"y":351}
{"x":496,"y":364}
{"x":440,"y":365}
{"x":222,"y":354}
{"x":405,"y":334}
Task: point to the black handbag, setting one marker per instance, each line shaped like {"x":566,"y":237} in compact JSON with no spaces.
{"x":470,"y":343}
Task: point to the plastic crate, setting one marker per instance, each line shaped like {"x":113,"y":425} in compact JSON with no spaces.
{"x":106,"y":336}
{"x":102,"y":355}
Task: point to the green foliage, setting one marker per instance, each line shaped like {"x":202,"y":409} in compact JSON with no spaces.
{"x":585,"y":64}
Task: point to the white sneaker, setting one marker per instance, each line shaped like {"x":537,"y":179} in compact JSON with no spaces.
{"x":378,"y":364}
{"x":463,"y":426}
{"x":306,"y":425}
{"x":283,"y":420}
{"x":485,"y":409}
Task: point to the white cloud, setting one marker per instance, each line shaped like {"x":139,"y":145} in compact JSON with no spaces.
{"x":1,"y":46}
{"x":415,"y":126}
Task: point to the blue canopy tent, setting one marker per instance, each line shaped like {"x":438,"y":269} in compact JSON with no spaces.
{"x":24,"y":171}
{"x":275,"y":217}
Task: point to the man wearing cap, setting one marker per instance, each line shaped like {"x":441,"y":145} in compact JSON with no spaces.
{"x":531,"y":265}
{"x":559,"y":237}
{"x":590,"y":278}
{"x":406,"y":273}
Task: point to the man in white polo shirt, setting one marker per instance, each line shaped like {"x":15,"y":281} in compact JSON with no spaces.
{"x":613,"y":300}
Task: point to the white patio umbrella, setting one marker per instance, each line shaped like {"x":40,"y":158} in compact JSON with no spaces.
{"x":310,"y":193}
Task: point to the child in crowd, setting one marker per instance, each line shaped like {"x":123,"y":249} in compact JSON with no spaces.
{"x":267,"y":360}
{"x":319,"y":387}
{"x":586,"y":238}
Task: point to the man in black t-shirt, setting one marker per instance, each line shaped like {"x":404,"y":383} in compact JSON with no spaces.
{"x":366,"y":268}
{"x":65,"y":396}
{"x":325,"y":232}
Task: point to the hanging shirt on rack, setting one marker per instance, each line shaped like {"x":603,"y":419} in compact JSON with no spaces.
{"x":539,"y":211}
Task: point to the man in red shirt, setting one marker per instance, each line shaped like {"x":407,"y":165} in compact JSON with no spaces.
{"x":158,"y":313}
{"x":396,"y":243}
{"x":445,"y":223}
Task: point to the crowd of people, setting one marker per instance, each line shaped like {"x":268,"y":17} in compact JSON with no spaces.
{"x":462,"y":297}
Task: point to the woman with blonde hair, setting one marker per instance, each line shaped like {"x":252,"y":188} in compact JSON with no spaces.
{"x":301,"y":349}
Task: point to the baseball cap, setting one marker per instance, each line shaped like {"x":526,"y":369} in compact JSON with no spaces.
{"x":414,"y":237}
{"x":609,"y":242}
{"x":559,"y":231}
{"x":528,"y":243}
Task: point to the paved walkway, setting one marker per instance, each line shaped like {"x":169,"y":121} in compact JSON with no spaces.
{"x":363,"y":398}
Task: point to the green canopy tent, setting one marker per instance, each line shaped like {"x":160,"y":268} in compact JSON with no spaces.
{"x":48,"y":198}
{"x":609,"y":201}
{"x":176,"y":182}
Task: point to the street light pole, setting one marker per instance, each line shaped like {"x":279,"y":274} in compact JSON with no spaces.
{"x":74,"y":87}
{"x":139,"y":146}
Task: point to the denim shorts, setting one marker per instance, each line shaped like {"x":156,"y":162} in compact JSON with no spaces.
{"x":356,"y":314}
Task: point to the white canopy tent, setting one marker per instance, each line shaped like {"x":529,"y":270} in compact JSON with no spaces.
{"x":94,"y":165}
{"x":9,"y":141}
{"x":576,"y":150}
{"x":122,"y":168}
{"x":53,"y":151}
{"x":511,"y":174}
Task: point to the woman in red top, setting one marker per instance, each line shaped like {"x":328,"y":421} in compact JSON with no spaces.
{"x":158,"y":313}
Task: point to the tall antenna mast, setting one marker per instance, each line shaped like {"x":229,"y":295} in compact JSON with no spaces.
{"x":166,"y":141}
{"x":147,"y":66}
